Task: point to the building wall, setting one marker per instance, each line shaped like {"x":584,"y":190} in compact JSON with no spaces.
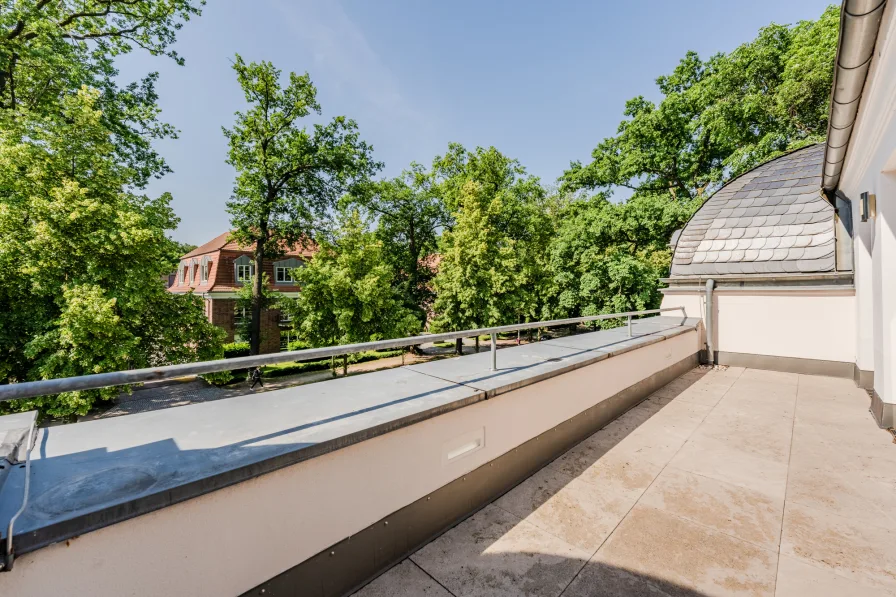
{"x":282,"y":518}
{"x":220,"y":312}
{"x":870,"y":166}
{"x":803,"y":324}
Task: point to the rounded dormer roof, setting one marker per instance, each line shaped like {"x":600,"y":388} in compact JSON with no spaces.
{"x":770,"y":220}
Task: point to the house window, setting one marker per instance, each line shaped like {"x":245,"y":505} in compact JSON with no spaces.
{"x":241,"y":315}
{"x":244,"y":272}
{"x":283,"y":274}
{"x":284,"y":271}
{"x":205,"y":269}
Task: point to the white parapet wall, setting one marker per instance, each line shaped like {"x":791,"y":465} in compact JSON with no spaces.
{"x":231,"y":540}
{"x":799,"y":323}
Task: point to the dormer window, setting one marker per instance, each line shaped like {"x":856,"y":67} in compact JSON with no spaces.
{"x":283,"y":270}
{"x":244,"y":269}
{"x":205,"y":269}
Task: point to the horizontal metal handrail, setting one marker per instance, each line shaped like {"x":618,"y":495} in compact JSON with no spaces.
{"x":31,"y":389}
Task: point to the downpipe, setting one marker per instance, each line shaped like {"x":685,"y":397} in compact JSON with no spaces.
{"x":710,"y":349}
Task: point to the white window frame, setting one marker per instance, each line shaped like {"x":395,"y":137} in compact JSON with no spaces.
{"x":285,"y":273}
{"x":244,"y":272}
{"x":205,"y":269}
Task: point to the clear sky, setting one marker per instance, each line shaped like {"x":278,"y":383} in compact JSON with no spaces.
{"x":541,"y":81}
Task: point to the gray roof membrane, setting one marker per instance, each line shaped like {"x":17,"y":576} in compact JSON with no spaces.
{"x":770,"y":220}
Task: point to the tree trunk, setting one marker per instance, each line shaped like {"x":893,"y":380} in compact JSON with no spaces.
{"x":344,"y":365}
{"x":257,"y":280}
{"x":459,"y":346}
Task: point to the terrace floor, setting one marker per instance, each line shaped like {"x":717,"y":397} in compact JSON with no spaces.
{"x":724,"y":482}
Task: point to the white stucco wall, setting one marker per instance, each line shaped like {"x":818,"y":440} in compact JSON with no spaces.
{"x":871,"y":167}
{"x":229,"y":541}
{"x":806,"y":324}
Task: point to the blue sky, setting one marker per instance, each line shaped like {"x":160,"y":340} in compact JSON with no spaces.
{"x":541,"y":81}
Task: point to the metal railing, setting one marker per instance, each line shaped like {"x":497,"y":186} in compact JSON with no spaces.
{"x":31,"y":389}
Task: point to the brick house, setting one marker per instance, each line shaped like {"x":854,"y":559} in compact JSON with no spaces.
{"x":219,"y":268}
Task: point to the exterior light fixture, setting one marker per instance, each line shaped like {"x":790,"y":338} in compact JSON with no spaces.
{"x":868,"y":206}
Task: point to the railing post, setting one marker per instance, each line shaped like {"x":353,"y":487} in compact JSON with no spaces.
{"x":494,"y":352}
{"x":629,"y":326}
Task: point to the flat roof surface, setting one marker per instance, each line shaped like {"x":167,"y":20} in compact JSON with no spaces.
{"x":93,"y":474}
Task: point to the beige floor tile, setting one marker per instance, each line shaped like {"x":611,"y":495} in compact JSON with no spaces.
{"x":708,"y":394}
{"x":758,"y":403}
{"x":862,"y":552}
{"x":778,"y":377}
{"x":871,"y":442}
{"x":731,"y":509}
{"x":859,"y":495}
{"x":493,"y":553}
{"x":678,"y":418}
{"x":717,"y":460}
{"x":762,"y":391}
{"x":581,"y":514}
{"x":404,"y":580}
{"x":585,"y":454}
{"x":799,"y":579}
{"x":622,"y":473}
{"x":765,"y":437}
{"x":683,"y":557}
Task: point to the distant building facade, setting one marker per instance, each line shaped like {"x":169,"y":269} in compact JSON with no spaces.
{"x":219,"y":268}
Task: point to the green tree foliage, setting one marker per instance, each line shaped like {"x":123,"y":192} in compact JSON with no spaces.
{"x":287,"y":176}
{"x":716,"y":118}
{"x":487,"y":257}
{"x":409,"y":215}
{"x":608,"y":257}
{"x":82,"y":251}
{"x":82,"y":260}
{"x":347,"y":292}
{"x":722,"y":116}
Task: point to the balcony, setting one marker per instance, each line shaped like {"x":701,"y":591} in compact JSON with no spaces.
{"x":599,"y":463}
{"x":733,"y":482}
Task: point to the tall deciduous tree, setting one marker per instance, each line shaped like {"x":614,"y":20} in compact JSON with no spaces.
{"x":409,"y":216}
{"x":288,"y":176}
{"x":82,"y":251}
{"x":347,"y":291}
{"x":483,"y":274}
{"x":722,"y":116}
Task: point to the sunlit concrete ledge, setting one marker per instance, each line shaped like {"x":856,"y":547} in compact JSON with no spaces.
{"x":339,"y":456}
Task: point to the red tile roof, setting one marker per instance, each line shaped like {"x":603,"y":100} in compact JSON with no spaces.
{"x":221,"y":243}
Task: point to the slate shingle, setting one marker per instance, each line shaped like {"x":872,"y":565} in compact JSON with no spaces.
{"x":772,"y":219}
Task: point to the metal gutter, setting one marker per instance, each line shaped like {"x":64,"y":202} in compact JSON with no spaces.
{"x":859,"y":25}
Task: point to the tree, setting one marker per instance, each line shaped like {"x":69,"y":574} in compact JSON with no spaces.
{"x":50,"y":50}
{"x":347,"y":292}
{"x":716,"y":119}
{"x":409,"y":215}
{"x":81,"y":258}
{"x":483,"y":270}
{"x":82,"y":251}
{"x":720,"y":117}
{"x":287,"y":176}
{"x":608,"y":258}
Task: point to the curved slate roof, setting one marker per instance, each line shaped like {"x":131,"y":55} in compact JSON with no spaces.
{"x":770,"y":220}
